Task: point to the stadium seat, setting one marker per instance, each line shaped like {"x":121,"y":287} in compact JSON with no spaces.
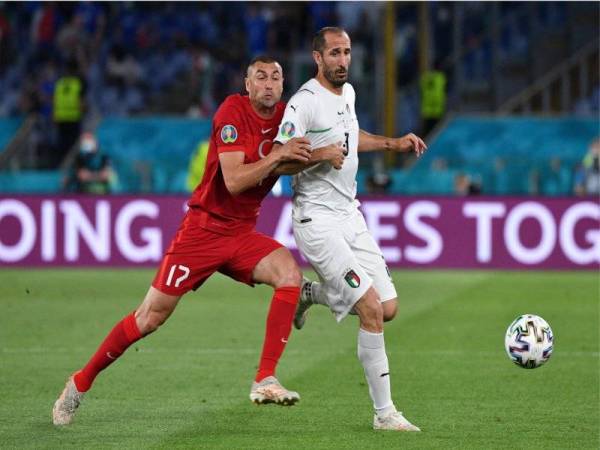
{"x":8,"y":128}
{"x":31,"y":182}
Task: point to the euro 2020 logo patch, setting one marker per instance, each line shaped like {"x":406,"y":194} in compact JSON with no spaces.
{"x":228,"y":134}
{"x":352,"y":279}
{"x":288,"y":129}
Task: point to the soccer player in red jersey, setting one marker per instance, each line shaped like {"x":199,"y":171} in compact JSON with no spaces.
{"x":218,"y":235}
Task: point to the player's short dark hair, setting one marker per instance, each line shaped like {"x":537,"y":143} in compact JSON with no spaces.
{"x":263,"y":59}
{"x":318,"y":43}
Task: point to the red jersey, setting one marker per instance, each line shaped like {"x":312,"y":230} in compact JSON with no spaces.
{"x":236,"y":127}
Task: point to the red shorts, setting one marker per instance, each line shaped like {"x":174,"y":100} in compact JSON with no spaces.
{"x":196,"y":253}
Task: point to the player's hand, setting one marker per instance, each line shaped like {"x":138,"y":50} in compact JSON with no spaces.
{"x":334,"y":153}
{"x":408,"y":143}
{"x":296,"y":149}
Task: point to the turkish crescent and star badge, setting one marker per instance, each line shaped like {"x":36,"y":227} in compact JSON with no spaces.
{"x":229,"y":134}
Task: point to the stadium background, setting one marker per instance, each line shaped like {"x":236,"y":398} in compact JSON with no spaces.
{"x":507,"y":96}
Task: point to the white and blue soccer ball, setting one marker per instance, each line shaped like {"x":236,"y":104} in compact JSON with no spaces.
{"x":529,"y":341}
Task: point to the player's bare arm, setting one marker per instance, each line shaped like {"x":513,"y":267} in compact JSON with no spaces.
{"x":333,"y":154}
{"x":240,"y":177}
{"x":368,"y":142}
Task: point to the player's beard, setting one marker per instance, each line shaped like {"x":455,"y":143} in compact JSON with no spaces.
{"x":334,"y":76}
{"x":268,"y":102}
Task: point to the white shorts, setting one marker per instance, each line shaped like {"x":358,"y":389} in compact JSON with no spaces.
{"x":346,"y":258}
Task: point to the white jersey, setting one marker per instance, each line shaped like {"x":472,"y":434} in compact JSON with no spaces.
{"x":324,"y":118}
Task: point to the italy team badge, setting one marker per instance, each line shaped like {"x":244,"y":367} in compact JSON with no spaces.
{"x":352,"y":279}
{"x":228,"y":134}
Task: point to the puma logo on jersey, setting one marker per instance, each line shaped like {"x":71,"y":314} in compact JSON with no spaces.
{"x":293,"y":107}
{"x":340,"y":113}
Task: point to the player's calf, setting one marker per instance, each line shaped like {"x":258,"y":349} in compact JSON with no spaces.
{"x":156,"y":308}
{"x":390,"y":309}
{"x":304,"y":303}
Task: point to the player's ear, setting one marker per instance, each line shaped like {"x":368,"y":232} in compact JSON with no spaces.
{"x":247,"y":84}
{"x":317,"y":57}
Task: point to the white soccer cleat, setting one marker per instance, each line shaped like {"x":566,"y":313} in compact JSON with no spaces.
{"x":269,"y":390}
{"x":394,"y":421}
{"x":304,"y":303}
{"x":66,"y":405}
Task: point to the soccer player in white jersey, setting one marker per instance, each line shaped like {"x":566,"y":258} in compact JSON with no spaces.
{"x":330,"y":230}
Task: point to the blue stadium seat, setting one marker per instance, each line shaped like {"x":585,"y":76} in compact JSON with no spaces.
{"x":31,"y":181}
{"x":151,"y":154}
{"x":8,"y":128}
{"x":505,"y":153}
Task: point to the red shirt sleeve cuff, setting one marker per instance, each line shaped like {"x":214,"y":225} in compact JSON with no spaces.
{"x":230,"y":148}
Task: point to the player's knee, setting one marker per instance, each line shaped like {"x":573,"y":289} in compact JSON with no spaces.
{"x":390,"y":309}
{"x":370,"y":312}
{"x":289,"y":275}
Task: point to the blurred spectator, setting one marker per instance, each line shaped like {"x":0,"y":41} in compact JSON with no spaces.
{"x":44,"y":27}
{"x":93,"y":17}
{"x":464,"y":185}
{"x":323,"y":14}
{"x":378,"y":183}
{"x":73,"y":42}
{"x":91,"y":172}
{"x":122,"y":70}
{"x":197,"y":166}
{"x":433,"y":98}
{"x":439,"y":164}
{"x":591,"y":165}
{"x":68,"y":110}
{"x":200,"y":84}
{"x":45,"y":88}
{"x":256,"y":30}
{"x":579,"y":180}
{"x":557,"y":180}
{"x":502,"y":181}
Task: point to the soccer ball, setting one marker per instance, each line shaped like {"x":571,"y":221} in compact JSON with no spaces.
{"x":529,"y":341}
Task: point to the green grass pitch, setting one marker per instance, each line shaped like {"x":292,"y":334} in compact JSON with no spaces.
{"x":187,"y":385}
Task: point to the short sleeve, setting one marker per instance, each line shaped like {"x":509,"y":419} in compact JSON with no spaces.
{"x":229,"y":131}
{"x":297,"y":117}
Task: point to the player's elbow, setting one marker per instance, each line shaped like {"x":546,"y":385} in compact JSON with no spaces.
{"x":234,"y":186}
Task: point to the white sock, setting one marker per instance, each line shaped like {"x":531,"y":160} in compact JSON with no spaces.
{"x":319,"y":296}
{"x":371,"y":353}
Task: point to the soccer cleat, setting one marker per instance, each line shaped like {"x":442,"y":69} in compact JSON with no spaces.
{"x":269,"y":390}
{"x":304,"y":303}
{"x":394,"y":421}
{"x":67,"y":403}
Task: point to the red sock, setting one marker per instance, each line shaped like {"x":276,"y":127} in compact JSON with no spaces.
{"x":125,"y":333}
{"x":279,"y":325}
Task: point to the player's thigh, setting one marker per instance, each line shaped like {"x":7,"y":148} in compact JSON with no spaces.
{"x":343,"y":278}
{"x":371,"y":259}
{"x":278,"y":269}
{"x":259,"y":258}
{"x":193,"y":256}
